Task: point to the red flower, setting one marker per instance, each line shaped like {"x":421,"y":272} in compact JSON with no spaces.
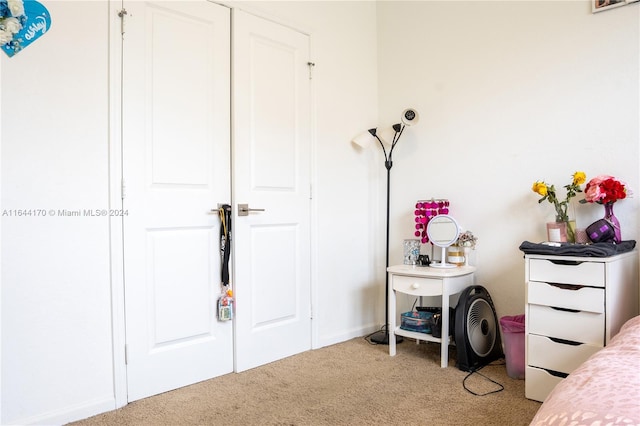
{"x":604,"y":189}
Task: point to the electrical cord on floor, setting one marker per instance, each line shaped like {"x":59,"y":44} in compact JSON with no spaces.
{"x":477,"y":370}
{"x":384,"y":328}
{"x":464,"y":381}
{"x":368,"y":336}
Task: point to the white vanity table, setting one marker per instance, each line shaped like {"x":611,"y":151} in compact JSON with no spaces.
{"x":426,"y":281}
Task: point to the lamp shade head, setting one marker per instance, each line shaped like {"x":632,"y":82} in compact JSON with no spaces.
{"x":410,"y":117}
{"x":365,"y":139}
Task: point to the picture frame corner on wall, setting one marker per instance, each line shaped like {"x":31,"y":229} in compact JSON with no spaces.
{"x":601,"y":5}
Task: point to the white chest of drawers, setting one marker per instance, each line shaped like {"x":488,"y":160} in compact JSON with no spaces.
{"x":574,"y":306}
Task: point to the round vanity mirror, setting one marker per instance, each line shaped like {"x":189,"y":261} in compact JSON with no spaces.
{"x":443,"y":231}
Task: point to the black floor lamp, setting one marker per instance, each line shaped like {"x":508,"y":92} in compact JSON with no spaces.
{"x":409,"y":118}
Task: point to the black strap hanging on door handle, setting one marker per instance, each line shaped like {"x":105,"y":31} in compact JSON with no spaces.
{"x":225,"y":241}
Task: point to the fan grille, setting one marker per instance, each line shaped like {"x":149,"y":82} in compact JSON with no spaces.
{"x":481,"y":327}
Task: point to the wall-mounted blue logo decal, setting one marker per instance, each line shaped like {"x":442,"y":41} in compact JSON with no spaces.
{"x":22,"y":23}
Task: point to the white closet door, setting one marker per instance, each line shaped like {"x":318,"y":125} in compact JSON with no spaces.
{"x":271,"y":171}
{"x":176,"y":166}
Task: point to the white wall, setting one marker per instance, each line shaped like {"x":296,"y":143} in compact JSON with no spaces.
{"x":509,"y":92}
{"x":56,"y":302}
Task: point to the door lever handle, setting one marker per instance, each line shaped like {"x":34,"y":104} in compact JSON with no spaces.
{"x":243,"y":210}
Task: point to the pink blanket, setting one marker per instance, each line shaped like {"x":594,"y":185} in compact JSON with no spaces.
{"x":604,"y":390}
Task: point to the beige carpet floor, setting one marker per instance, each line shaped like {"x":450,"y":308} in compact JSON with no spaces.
{"x":351,"y":383}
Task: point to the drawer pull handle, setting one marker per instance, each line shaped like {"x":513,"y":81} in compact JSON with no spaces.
{"x":572,"y":287}
{"x":565,"y":262}
{"x":565,"y":309}
{"x":556,"y":373}
{"x":565,"y":342}
{"x":415,"y":286}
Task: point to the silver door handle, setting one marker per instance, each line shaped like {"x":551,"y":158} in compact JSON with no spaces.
{"x":243,"y":210}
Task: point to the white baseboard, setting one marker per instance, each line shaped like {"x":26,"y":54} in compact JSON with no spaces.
{"x":346,"y":335}
{"x":69,"y":414}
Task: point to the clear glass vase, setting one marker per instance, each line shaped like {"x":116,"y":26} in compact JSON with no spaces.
{"x":562,"y":231}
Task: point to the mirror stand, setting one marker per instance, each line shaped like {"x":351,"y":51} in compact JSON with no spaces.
{"x":443,"y":231}
{"x":443,"y":261}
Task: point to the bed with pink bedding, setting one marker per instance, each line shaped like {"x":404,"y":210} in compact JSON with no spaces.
{"x":604,"y":390}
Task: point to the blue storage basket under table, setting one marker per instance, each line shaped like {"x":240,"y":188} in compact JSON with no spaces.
{"x":418,"y":321}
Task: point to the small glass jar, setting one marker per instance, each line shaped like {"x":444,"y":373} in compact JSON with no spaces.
{"x":411,"y":251}
{"x":455,"y":255}
{"x":557,"y":232}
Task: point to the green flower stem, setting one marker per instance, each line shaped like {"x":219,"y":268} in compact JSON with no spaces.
{"x":571,"y":234}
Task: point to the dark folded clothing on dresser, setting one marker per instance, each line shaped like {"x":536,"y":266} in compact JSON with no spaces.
{"x":579,"y":250}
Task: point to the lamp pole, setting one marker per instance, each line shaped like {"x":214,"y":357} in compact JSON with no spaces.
{"x":382,"y":337}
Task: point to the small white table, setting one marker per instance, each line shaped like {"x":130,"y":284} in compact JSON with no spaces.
{"x":425,"y":281}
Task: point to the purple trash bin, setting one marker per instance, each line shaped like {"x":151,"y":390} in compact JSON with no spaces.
{"x":513,"y":338}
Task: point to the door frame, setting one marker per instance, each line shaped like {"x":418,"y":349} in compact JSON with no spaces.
{"x":116,"y":187}
{"x":116,"y":229}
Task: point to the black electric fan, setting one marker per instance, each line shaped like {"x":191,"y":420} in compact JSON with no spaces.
{"x":476,"y":329}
